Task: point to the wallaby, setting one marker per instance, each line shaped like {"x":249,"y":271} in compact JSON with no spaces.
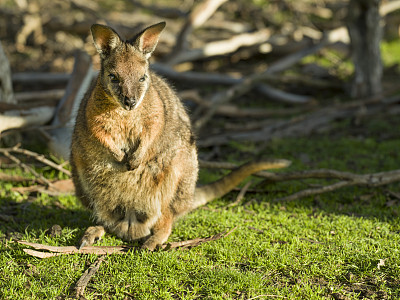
{"x":134,"y":157}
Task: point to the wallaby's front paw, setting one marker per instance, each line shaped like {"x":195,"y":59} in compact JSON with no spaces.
{"x":133,"y":164}
{"x":92,"y":234}
{"x":118,"y":154}
{"x":151,"y":244}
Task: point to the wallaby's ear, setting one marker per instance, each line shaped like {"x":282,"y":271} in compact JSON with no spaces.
{"x":105,"y":38}
{"x":146,"y":41}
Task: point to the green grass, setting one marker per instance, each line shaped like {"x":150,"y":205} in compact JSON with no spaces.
{"x":323,"y":247}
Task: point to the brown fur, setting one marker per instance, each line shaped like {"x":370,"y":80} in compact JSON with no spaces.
{"x":133,"y":156}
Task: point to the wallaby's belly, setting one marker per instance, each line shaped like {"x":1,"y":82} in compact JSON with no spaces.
{"x":119,"y":195}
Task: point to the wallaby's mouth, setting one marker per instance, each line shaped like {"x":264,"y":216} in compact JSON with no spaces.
{"x":128,"y":103}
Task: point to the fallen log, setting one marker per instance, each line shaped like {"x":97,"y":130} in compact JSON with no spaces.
{"x":36,"y":116}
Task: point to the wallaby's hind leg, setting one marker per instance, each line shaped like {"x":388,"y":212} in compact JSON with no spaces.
{"x":92,"y":234}
{"x":160,"y":231}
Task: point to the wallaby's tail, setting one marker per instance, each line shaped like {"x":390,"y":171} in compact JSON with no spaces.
{"x":206,"y":193}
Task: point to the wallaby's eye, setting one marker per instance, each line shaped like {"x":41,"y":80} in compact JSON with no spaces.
{"x":143,"y":78}
{"x":113,"y":78}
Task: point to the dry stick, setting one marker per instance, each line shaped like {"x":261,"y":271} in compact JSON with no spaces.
{"x":85,"y":278}
{"x":268,"y":296}
{"x":14,"y":178}
{"x":235,"y":111}
{"x":389,"y":7}
{"x":19,"y":118}
{"x":197,"y":241}
{"x":100,"y":250}
{"x":307,"y":123}
{"x":200,"y":14}
{"x":231,"y":26}
{"x":347,"y":178}
{"x":249,"y":82}
{"x":103,"y":250}
{"x":43,"y":95}
{"x":39,"y":177}
{"x":275,"y":177}
{"x":41,"y":78}
{"x":207,"y":78}
{"x":36,"y":156}
{"x":223,"y":47}
{"x":370,"y":180}
{"x":241,"y":194}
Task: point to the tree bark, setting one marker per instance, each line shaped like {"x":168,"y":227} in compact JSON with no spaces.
{"x":365,"y":30}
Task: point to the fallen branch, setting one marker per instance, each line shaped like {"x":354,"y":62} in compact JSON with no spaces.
{"x":369,"y":180}
{"x":198,"y":16}
{"x":389,"y":7}
{"x":39,"y":78}
{"x":346,"y":178}
{"x":86,"y":276}
{"x":42,"y":95}
{"x":37,"y":156}
{"x":235,"y":111}
{"x":103,"y":250}
{"x":26,"y":168}
{"x":14,"y":178}
{"x":250,"y":81}
{"x":210,"y":78}
{"x":36,"y":116}
{"x":306,"y":124}
{"x":222,"y":47}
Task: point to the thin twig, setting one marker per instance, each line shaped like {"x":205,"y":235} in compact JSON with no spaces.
{"x":14,"y":178}
{"x":241,"y":194}
{"x":86,"y":276}
{"x":267,"y":296}
{"x":36,"y":156}
{"x":26,"y":168}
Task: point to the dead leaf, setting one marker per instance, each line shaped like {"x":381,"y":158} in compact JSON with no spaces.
{"x":381,"y":263}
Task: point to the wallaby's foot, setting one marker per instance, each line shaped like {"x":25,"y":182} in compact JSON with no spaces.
{"x":161,"y":231}
{"x":92,"y":234}
{"x":130,"y":229}
{"x":150,"y":244}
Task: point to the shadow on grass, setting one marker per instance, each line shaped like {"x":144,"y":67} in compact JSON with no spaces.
{"x":31,"y":218}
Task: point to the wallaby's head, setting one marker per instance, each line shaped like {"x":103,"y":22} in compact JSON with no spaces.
{"x":124,"y":64}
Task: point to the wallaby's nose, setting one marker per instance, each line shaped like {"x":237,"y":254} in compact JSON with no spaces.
{"x":129,"y":103}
